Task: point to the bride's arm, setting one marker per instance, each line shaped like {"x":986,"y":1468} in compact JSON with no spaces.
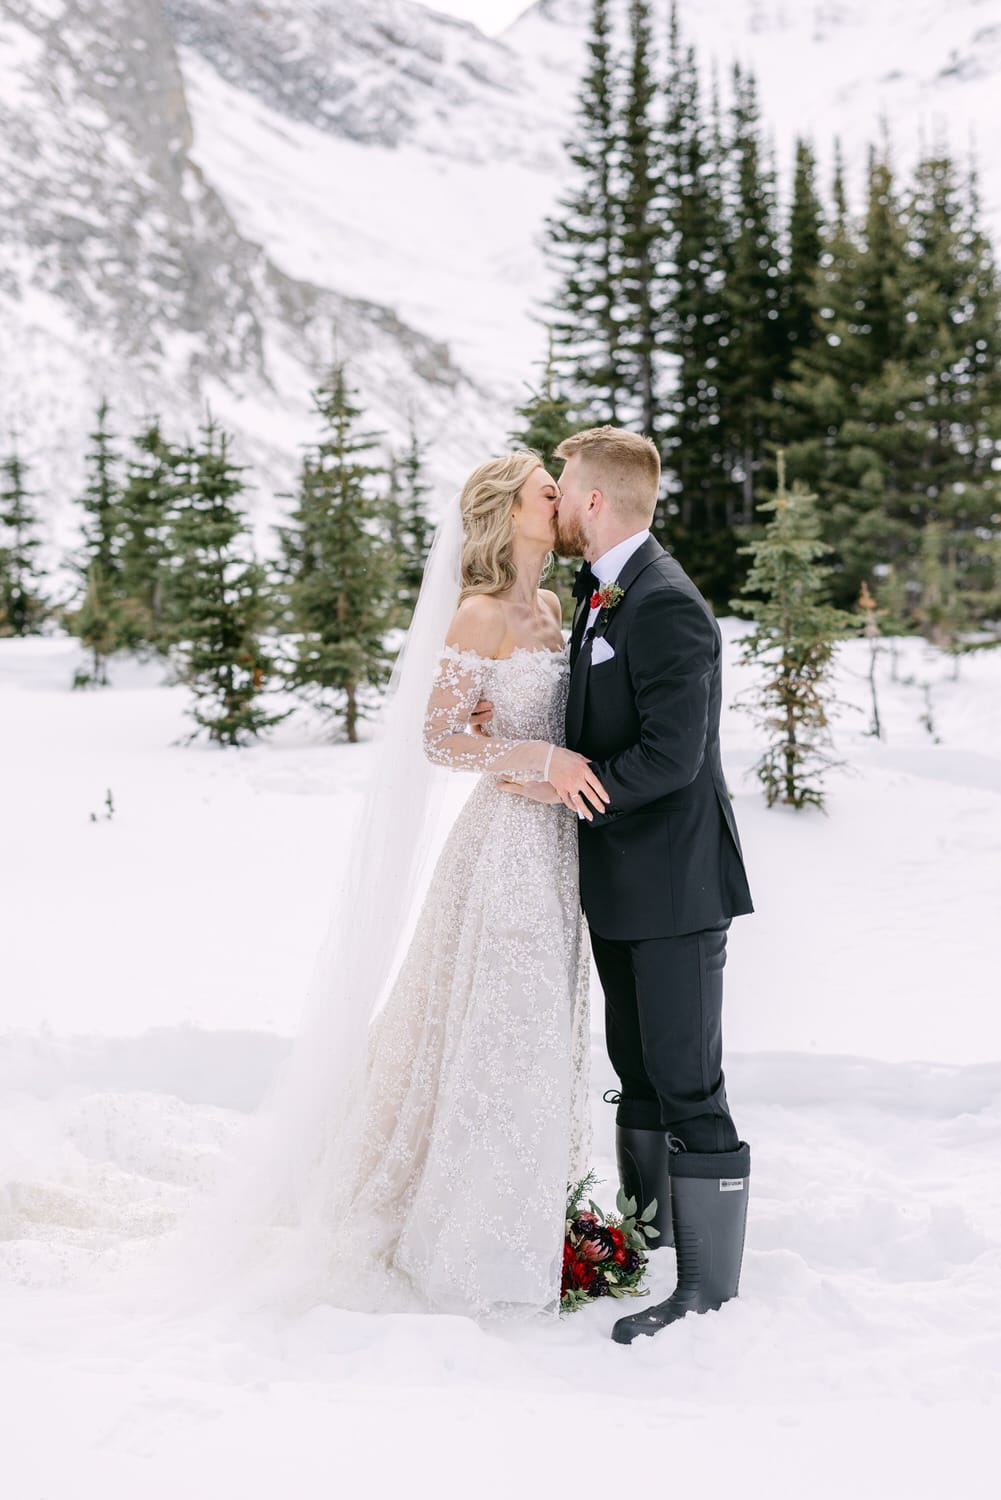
{"x":475,"y":636}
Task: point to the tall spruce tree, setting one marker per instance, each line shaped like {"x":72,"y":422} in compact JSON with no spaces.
{"x":642,"y":229}
{"x":860,"y":395}
{"x":97,"y":618}
{"x":339,"y":567}
{"x":755,"y":351}
{"x":792,"y":647}
{"x":94,"y":622}
{"x":410,"y":529}
{"x":805,"y":246}
{"x":953,"y":338}
{"x":218,"y":597}
{"x":585,"y":241}
{"x":144,"y":510}
{"x":692,"y":517}
{"x":100,"y":501}
{"x":22,"y":603}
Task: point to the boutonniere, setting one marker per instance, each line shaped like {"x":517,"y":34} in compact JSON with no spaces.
{"x":607,"y":597}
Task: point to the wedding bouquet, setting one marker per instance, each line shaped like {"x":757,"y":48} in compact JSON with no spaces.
{"x":603,"y":1256}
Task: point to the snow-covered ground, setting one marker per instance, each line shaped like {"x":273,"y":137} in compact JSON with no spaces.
{"x":152,"y":968}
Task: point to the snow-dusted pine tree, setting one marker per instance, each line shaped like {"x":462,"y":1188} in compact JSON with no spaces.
{"x":339,"y":569}
{"x":791,"y":648}
{"x":218,"y":597}
{"x":585,"y":240}
{"x":22,"y":603}
{"x":410,"y":529}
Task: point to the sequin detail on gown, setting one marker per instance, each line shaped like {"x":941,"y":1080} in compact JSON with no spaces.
{"x":477,"y":1109}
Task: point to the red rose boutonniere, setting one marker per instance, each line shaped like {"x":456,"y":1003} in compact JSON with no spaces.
{"x":607,"y":597}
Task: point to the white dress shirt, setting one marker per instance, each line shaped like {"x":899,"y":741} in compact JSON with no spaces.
{"x":610,"y":564}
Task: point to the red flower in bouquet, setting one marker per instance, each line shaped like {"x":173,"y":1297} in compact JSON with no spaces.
{"x":603,"y":1257}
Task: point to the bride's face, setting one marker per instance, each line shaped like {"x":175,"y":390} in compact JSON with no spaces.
{"x":535,"y":508}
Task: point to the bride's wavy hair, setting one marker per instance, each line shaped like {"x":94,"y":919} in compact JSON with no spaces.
{"x":487,"y":504}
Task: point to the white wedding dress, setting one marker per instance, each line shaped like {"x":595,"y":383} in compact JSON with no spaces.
{"x":476,"y":1112}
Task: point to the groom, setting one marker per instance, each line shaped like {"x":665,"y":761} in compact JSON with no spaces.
{"x":661,"y":872}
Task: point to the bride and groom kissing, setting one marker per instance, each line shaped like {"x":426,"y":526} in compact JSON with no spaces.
{"x":600,"y":787}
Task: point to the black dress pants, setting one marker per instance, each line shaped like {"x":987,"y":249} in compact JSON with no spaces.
{"x":663,"y":1027}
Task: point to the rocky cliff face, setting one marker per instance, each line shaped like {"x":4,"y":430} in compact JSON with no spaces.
{"x":122,"y":268}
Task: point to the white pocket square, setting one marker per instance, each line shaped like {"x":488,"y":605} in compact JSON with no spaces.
{"x":601,"y":651}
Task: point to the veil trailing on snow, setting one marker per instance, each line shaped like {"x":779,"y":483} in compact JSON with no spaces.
{"x":276,"y":1204}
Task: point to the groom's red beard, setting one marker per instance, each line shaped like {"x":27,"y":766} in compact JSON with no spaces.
{"x":570,"y":540}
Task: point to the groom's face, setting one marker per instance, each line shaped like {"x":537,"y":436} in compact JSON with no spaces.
{"x":573,"y":529}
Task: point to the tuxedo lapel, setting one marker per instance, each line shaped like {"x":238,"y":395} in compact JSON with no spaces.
{"x":579,"y":673}
{"x":580,"y":650}
{"x":577,"y":628}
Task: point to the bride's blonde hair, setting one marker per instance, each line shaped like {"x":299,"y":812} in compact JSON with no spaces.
{"x":487,"y":505}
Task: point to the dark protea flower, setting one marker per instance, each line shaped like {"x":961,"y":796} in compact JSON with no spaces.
{"x":596,"y":1247}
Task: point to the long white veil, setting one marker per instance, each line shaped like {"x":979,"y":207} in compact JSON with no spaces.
{"x":265,"y":1230}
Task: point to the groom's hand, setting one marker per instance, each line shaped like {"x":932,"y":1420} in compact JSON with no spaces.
{"x":481,"y":715}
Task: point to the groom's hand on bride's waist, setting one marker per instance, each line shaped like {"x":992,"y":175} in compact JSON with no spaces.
{"x":535,"y":791}
{"x":481,"y":715}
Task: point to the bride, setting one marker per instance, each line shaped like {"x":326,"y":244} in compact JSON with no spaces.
{"x":416,"y":1151}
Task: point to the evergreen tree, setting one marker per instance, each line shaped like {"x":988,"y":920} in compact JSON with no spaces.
{"x":95,"y":624}
{"x":218,"y":597}
{"x":144,"y":512}
{"x":585,"y":242}
{"x":755,"y":351}
{"x":22,"y":605}
{"x":546,"y":417}
{"x":805,"y":246}
{"x":792,"y":647}
{"x":97,"y":620}
{"x":100,"y":502}
{"x":953,"y":339}
{"x":338,"y":562}
{"x":859,"y":394}
{"x":691,"y":519}
{"x":641,"y":210}
{"x":410,"y":529}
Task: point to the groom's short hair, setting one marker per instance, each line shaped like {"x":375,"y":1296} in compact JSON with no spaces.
{"x":624,"y":466}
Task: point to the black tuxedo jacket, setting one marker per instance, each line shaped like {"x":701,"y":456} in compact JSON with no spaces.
{"x":664,"y":857}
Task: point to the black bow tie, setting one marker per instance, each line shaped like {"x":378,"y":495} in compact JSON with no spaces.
{"x":585,"y":582}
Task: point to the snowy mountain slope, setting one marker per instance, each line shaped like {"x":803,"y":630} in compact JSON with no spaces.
{"x":194,"y":195}
{"x":121,"y":268}
{"x":388,"y":73}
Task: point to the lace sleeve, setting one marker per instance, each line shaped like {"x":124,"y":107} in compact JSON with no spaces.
{"x":448,"y":739}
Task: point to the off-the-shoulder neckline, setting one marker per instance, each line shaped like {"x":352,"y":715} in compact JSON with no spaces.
{"x":448,"y":650}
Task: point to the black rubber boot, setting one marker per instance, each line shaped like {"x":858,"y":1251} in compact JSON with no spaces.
{"x":709,"y":1205}
{"x":643,"y":1157}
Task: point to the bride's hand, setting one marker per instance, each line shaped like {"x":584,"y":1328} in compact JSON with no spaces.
{"x":575,"y":783}
{"x":535,"y":791}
